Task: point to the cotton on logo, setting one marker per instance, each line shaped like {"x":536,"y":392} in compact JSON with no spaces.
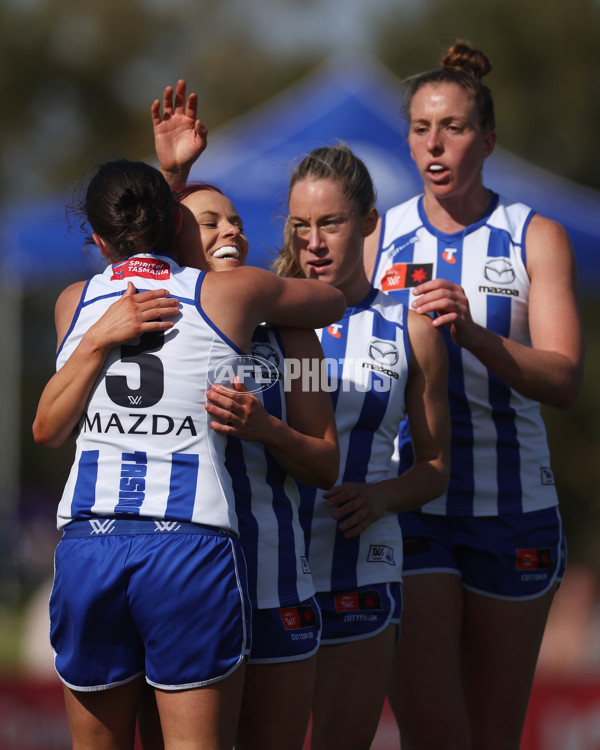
{"x":334,"y":331}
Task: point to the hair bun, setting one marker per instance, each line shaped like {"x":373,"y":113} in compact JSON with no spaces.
{"x":462,"y":56}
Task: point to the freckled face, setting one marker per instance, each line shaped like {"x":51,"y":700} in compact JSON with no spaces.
{"x":328,"y":233}
{"x":446,"y":140}
{"x":212,"y":234}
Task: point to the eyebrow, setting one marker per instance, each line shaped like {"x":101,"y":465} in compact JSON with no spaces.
{"x":445,"y":120}
{"x":216,"y":214}
{"x":332,"y":215}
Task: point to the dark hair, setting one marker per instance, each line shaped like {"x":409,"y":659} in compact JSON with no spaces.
{"x":194,"y":187}
{"x":130,"y":205}
{"x":465,"y":66}
{"x":336,"y":163}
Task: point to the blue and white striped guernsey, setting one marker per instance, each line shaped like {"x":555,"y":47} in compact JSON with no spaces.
{"x":145,"y":448}
{"x":367,"y":354}
{"x":267,"y":500}
{"x":500,"y":458}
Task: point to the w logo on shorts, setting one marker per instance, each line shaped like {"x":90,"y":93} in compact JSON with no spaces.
{"x":102,"y":527}
{"x":166,"y":525}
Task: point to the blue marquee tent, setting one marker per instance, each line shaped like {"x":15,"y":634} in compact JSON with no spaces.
{"x":351,"y":100}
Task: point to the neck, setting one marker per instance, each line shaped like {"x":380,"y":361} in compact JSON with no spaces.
{"x":452,"y":214}
{"x":356,"y":290}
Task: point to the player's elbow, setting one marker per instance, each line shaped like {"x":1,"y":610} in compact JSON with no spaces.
{"x":438,"y":476}
{"x":564,"y":395}
{"x":327,"y":471}
{"x":564,"y":400}
{"x":44,"y":435}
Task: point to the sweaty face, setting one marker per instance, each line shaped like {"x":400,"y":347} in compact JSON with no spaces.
{"x":328,"y":234}
{"x":446,"y":140}
{"x":212,"y":234}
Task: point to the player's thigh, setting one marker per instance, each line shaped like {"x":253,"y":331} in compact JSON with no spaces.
{"x":103,"y":719}
{"x":148,"y":719}
{"x":202,"y":718}
{"x":350,"y":690}
{"x":425,"y":689}
{"x":502,"y":639}
{"x":276,"y":705}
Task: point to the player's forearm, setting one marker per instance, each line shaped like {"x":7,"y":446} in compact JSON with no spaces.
{"x":312,"y":460}
{"x":176,"y":177}
{"x":64,"y":398}
{"x":546,"y":376}
{"x":424,"y":481}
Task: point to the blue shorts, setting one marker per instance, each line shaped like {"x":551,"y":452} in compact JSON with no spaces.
{"x":359,"y":613}
{"x":517,"y":556}
{"x":161,"y":599}
{"x":283,"y":634}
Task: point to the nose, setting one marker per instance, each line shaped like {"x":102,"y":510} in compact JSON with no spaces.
{"x":231,"y":230}
{"x":315,"y":241}
{"x":434,"y":141}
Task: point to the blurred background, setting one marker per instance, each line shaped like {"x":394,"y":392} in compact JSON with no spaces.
{"x":77,"y":78}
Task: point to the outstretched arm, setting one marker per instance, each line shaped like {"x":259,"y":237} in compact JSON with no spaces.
{"x":179,"y":137}
{"x":429,"y":419}
{"x":260,"y":296}
{"x":65,"y":396}
{"x":306,"y":445}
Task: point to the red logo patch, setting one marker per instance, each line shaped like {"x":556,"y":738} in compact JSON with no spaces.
{"x":147,"y":268}
{"x":297,"y":617}
{"x":406,"y":275}
{"x":357,"y":600}
{"x":346,"y":602}
{"x":533,"y":559}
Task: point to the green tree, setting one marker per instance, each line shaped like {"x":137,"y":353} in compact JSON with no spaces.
{"x":77,"y":78}
{"x":545,"y":77}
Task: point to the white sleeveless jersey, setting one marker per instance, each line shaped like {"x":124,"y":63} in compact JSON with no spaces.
{"x":267,"y":498}
{"x":145,"y":448}
{"x":367,"y":356}
{"x":500,"y":458}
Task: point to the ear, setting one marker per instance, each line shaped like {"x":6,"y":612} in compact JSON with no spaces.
{"x":371,"y":220}
{"x":489,"y":141}
{"x":104,"y":247}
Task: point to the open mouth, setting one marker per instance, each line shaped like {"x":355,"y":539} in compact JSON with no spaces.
{"x":436,"y":169}
{"x":227,"y":252}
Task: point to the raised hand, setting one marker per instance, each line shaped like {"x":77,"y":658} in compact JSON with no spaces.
{"x":179,"y":137}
